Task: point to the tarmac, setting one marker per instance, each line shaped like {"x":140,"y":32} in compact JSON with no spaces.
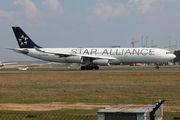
{"x":14,"y":69}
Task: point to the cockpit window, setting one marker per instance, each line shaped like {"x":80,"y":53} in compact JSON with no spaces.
{"x":169,"y":53}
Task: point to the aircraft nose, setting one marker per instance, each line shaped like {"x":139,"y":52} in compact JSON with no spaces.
{"x":173,"y":56}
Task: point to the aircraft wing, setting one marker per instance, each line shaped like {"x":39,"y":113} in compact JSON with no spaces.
{"x":64,"y":54}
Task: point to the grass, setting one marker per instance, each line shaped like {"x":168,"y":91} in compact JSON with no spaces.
{"x":90,"y":88}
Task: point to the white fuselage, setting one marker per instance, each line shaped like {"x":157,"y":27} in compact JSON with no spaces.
{"x":122,"y":55}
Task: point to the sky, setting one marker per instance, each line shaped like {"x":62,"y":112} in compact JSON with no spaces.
{"x":89,"y":23}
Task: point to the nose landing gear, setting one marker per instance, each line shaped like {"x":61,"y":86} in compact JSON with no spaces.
{"x":157,"y":66}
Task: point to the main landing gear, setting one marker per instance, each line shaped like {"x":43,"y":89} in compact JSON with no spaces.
{"x":89,"y":67}
{"x":157,"y":66}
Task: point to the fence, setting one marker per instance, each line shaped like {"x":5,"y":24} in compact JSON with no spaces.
{"x":50,"y":116}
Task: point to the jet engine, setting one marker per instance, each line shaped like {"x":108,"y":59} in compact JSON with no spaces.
{"x":74,"y":59}
{"x":106,"y":62}
{"x":102,"y":62}
{"x":114,"y":62}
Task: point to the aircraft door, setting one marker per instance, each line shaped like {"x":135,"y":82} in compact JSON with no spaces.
{"x":157,"y":55}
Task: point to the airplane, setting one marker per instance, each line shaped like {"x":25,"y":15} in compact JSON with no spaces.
{"x":3,"y":64}
{"x":89,"y":58}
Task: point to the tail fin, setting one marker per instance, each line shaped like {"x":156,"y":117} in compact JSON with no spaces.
{"x":23,"y":40}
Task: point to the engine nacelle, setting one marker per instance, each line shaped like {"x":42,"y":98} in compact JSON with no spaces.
{"x":74,"y":59}
{"x":102,"y":62}
{"x":114,"y":62}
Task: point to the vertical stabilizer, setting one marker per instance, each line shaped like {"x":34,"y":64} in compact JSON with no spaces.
{"x":23,"y":40}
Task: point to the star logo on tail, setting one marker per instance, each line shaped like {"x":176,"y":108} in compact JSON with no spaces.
{"x":23,"y":40}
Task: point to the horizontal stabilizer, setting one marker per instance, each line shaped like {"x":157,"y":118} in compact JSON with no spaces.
{"x":24,"y":51}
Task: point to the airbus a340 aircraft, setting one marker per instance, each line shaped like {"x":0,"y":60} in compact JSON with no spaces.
{"x":10,"y":63}
{"x":90,"y":58}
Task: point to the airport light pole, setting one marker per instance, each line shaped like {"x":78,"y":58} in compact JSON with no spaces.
{"x":146,"y":40}
{"x":169,"y":42}
{"x":142,"y":41}
{"x":152,"y":43}
{"x":176,"y":43}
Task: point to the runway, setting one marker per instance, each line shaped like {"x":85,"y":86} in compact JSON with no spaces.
{"x":103,"y":69}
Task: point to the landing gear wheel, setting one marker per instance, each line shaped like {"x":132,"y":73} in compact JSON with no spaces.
{"x":83,"y":67}
{"x":157,"y":67}
{"x":89,"y":67}
{"x":96,"y":67}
